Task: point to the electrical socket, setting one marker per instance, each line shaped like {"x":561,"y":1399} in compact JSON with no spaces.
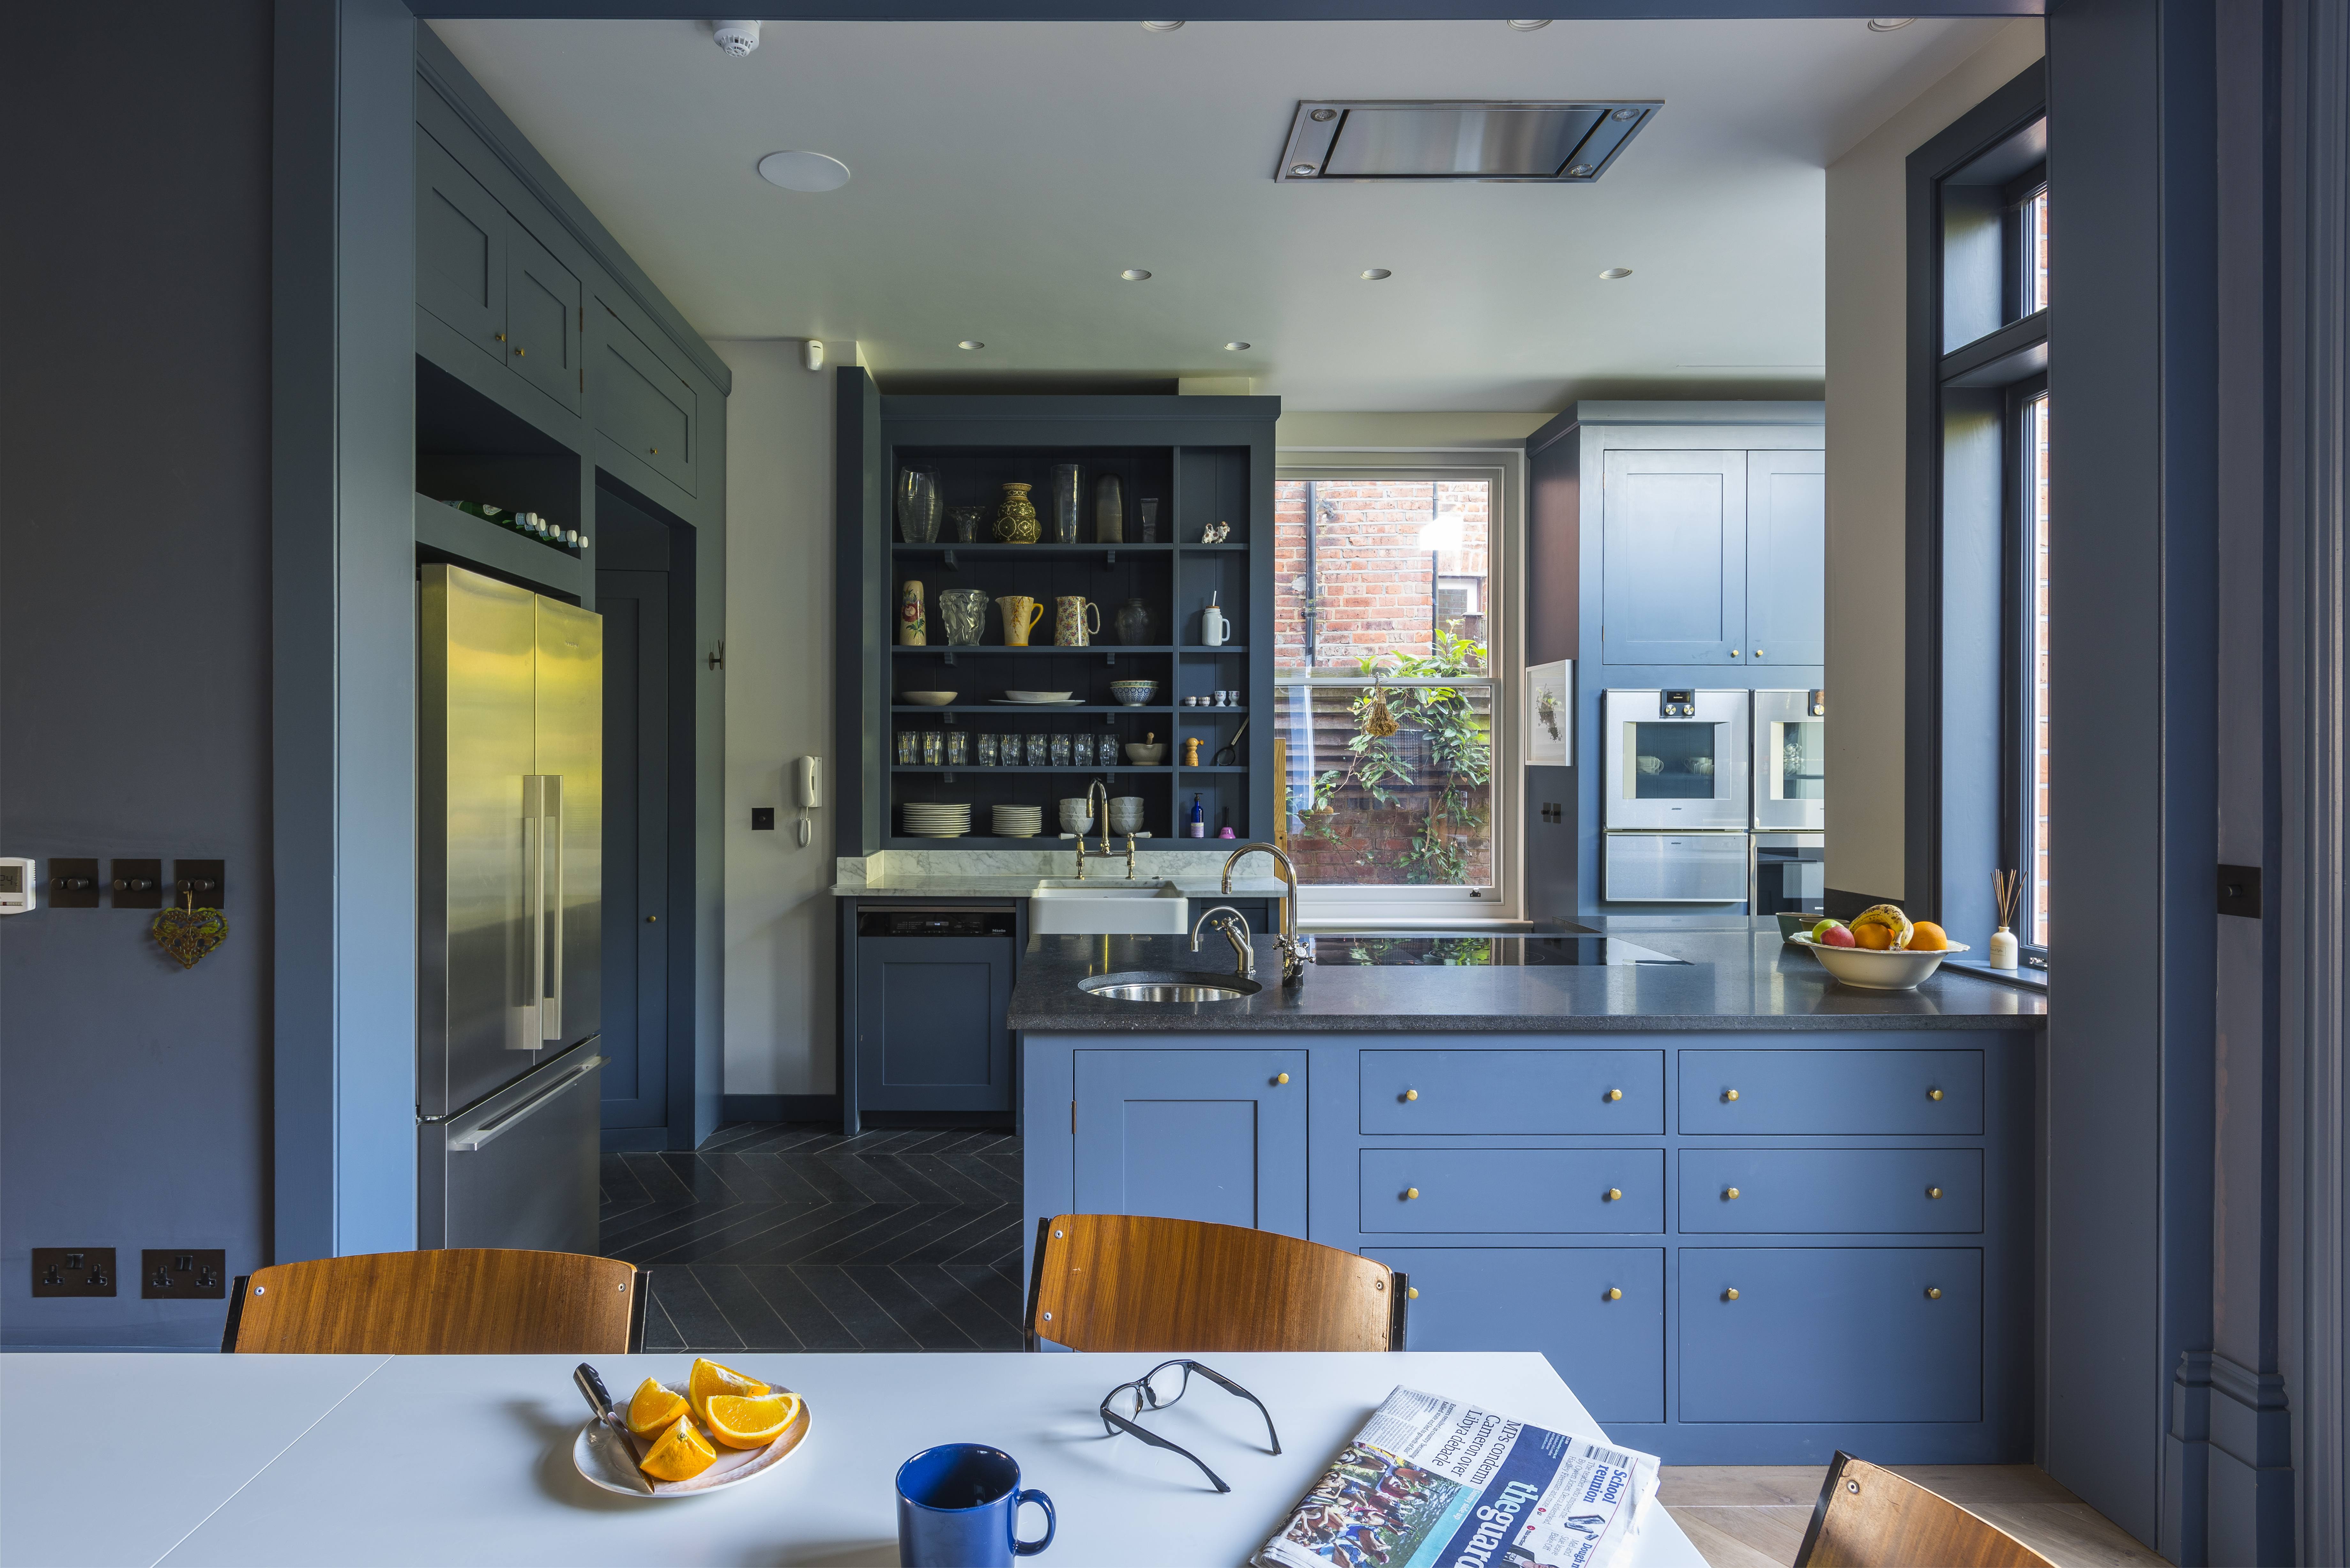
{"x":73,"y":1271}
{"x":187,"y":1273}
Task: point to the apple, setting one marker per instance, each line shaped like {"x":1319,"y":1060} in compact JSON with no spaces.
{"x":1831,"y":934}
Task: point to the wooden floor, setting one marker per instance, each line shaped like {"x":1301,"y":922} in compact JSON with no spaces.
{"x":1754,"y":1516}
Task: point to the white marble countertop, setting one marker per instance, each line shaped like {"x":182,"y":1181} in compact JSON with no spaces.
{"x":1015,"y":873}
{"x":1206,"y":883}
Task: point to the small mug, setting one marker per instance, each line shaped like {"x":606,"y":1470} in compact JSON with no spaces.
{"x":958,"y":1507}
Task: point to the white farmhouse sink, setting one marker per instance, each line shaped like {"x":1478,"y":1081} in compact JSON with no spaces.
{"x":1109,"y":908}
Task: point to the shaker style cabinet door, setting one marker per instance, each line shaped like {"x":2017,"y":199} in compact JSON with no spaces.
{"x":930,"y":1023}
{"x":1672,"y":558}
{"x":641,"y":405}
{"x":1786,"y":557}
{"x":1193,"y":1135}
{"x":461,"y":248}
{"x":543,"y":319}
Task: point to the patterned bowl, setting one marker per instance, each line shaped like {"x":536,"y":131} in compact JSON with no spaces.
{"x":1134,"y":693}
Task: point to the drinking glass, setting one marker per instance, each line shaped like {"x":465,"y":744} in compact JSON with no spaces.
{"x":1037,"y":754}
{"x":932,"y":749}
{"x":909,"y":748}
{"x":987,"y":750}
{"x":1060,"y":750}
{"x":1081,"y":751}
{"x":957,"y":748}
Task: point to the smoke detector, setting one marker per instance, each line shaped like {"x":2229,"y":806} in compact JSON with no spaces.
{"x":737,"y":38}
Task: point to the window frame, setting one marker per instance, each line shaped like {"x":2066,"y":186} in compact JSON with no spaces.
{"x":2019,"y":745}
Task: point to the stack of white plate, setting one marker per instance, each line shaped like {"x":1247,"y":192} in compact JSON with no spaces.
{"x":1019,"y":821}
{"x":925,"y":821}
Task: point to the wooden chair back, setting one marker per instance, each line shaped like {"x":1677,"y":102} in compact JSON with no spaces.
{"x":1869,"y":1517}
{"x":1127,"y":1281}
{"x":460,"y":1301}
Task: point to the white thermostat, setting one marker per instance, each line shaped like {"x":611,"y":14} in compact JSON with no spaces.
{"x":16,"y":885}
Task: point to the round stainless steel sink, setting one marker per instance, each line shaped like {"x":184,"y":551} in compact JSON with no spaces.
{"x":1160,"y":985}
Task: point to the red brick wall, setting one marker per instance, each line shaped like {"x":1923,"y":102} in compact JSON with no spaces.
{"x":1378,"y":573}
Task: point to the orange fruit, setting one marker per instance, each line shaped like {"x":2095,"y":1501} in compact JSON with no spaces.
{"x":1926,"y":937}
{"x":750,"y":1423}
{"x":1876,"y":939}
{"x":680,"y":1454}
{"x":654,"y":1410}
{"x":708,"y":1378}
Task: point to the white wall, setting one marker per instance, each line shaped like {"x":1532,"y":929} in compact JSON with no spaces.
{"x":779,"y":674}
{"x":1867,"y":398}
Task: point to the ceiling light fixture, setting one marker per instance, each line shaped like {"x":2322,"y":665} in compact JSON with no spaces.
{"x":1301,"y":169}
{"x":1888,"y":24}
{"x":1613,"y":273}
{"x":1234,"y":347}
{"x":1160,"y":26}
{"x":1530,"y":25}
{"x":969,"y":343}
{"x":1373,"y":273}
{"x":1135,"y":275}
{"x":803,"y":170}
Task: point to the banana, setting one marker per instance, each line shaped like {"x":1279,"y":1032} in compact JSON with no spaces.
{"x":1890,"y":917}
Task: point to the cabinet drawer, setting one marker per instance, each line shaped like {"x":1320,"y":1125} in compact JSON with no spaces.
{"x":1832,"y":1092}
{"x":1830,"y":1333}
{"x":641,"y":405}
{"x":1473,"y":1189}
{"x":1832,"y":1190}
{"x":1513,"y":1092}
{"x":1553,"y":1300}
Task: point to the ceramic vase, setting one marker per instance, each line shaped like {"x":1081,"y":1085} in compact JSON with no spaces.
{"x":1020,"y":613}
{"x":918,"y":504}
{"x":1069,"y":625}
{"x":912,"y":628}
{"x":1109,"y":510}
{"x":1015,"y":519}
{"x":1064,"y":503}
{"x":1133,"y":623}
{"x":963,"y":613}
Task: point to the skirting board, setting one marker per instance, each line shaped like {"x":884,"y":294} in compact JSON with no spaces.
{"x":635,"y":1140}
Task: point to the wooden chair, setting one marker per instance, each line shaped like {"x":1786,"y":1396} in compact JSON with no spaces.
{"x":461,"y":1301}
{"x":1123,"y":1281}
{"x":1869,"y":1517}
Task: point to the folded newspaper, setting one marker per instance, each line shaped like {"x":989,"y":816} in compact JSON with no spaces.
{"x":1434,"y":1483}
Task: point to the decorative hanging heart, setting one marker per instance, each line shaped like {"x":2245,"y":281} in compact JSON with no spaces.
{"x":189,"y":934}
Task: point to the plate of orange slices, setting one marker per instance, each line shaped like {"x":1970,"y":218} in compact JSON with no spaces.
{"x":721,"y":1429}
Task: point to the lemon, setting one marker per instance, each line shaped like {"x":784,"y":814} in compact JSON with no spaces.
{"x":750,"y":1423}
{"x":708,"y":1378}
{"x":652,"y":1409}
{"x":680,"y":1454}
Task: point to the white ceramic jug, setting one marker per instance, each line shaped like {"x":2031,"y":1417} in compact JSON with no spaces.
{"x":1214,"y":627}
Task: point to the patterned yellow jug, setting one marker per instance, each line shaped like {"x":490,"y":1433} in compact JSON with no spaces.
{"x":1015,"y":520}
{"x":1069,"y":625}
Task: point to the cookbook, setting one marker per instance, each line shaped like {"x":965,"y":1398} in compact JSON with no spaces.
{"x":1433,"y":1483}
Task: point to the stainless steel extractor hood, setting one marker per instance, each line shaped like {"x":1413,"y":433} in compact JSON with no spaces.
{"x":1402,"y":139}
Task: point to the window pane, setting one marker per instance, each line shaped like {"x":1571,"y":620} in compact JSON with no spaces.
{"x":2036,"y":719}
{"x":2036,"y":254}
{"x":1410,"y":808}
{"x":1391,"y":566}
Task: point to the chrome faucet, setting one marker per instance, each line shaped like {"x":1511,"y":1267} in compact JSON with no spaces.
{"x":1292,"y":951}
{"x":1240,"y":940}
{"x":1105,"y":852}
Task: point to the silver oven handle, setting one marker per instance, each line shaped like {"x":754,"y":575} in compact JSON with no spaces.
{"x":497,"y":1127}
{"x":550,"y":1004}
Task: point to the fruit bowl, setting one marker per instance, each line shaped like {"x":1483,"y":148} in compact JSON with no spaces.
{"x":1874,"y":968}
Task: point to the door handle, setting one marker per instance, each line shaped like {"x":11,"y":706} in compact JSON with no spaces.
{"x":534,"y":892}
{"x":550,"y":1006}
{"x":504,"y":1122}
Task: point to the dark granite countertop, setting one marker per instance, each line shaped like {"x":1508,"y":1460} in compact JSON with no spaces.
{"x":1735,"y":976}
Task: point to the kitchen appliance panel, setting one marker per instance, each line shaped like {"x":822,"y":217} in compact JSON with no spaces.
{"x":1673,"y":868}
{"x":477,"y":747}
{"x":570,"y":723}
{"x":1790,"y":761}
{"x":1676,"y":759}
{"x":520,"y":1168}
{"x":1790,"y":872}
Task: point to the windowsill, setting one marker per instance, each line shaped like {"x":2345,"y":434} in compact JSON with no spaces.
{"x":2022,"y":978}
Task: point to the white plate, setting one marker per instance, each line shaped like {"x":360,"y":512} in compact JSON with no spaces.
{"x":733,"y":1469}
{"x":1037,"y":701}
{"x":1022,"y":695}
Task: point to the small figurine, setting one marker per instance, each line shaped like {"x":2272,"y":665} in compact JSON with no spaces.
{"x":1192,"y":753}
{"x":1215,"y":532}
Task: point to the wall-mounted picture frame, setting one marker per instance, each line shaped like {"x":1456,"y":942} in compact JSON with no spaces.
{"x":1549,"y":727}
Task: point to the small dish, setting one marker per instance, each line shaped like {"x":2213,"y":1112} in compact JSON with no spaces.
{"x":929,"y":698}
{"x":1871,"y":969}
{"x":595,"y":1461}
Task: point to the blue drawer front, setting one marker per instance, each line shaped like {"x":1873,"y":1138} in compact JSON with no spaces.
{"x":1466,"y":1190}
{"x":1832,"y":1092}
{"x":1513,"y":1093}
{"x":1553,"y":1300}
{"x":1825,"y":1334}
{"x":1898,"y":1191}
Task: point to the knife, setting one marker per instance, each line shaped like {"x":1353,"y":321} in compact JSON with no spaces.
{"x":592,"y":1389}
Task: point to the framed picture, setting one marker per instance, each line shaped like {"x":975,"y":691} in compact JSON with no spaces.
{"x":1549,"y":727}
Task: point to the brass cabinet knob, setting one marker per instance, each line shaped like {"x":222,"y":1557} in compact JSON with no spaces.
{"x":500,"y":337}
{"x":1733,"y":653}
{"x":1730,"y":1192}
{"x":1933,"y":1192}
{"x":1613,"y":1193}
{"x":1411,"y":1192}
{"x":1758,"y":653}
{"x":1613,"y":1295}
{"x":1615,"y":1094}
{"x":1729,"y":1094}
{"x":1933,"y":1094}
{"x":1933,"y":1293}
{"x":1730,"y":1295}
{"x":520,"y":352}
{"x":1411,"y":1292}
{"x":1281,"y":1078}
{"x":1411,"y":1093}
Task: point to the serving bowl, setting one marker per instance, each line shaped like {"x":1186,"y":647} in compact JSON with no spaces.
{"x":1133,"y":693}
{"x":929,"y":698}
{"x":1871,"y":969}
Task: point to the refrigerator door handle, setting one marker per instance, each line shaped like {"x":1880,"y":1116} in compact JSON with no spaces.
{"x":550,"y":1000}
{"x":534,"y":892}
{"x":505,"y":1122}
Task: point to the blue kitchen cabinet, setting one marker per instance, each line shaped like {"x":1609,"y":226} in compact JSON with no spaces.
{"x":1218,"y":1135}
{"x":1512,"y":1093}
{"x":930,"y":1023}
{"x":1831,"y":1333}
{"x":1786,"y":557}
{"x":461,"y":249}
{"x":1766,"y":1191}
{"x":1466,"y":1190}
{"x":1611,"y":1349}
{"x":1672,"y":557}
{"x":1789,"y":1091}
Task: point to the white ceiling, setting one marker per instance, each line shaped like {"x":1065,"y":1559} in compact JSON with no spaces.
{"x":1003,"y":174}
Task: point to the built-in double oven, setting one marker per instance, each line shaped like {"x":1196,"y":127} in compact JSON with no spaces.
{"x":1714,"y":797}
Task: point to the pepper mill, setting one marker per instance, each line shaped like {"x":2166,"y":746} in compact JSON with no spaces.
{"x":1192,"y":753}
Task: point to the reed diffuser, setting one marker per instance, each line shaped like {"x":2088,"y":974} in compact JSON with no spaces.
{"x":2004,"y":887}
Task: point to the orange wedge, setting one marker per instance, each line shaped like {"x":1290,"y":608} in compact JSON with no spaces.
{"x":681,"y":1453}
{"x":750,"y":1423}
{"x":654,"y":1410}
{"x":708,"y":1378}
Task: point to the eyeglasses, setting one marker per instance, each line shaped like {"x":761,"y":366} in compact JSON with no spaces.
{"x":1161,"y":1387}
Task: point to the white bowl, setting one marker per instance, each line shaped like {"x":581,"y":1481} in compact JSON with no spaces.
{"x":1891,"y":970}
{"x":929,"y":698}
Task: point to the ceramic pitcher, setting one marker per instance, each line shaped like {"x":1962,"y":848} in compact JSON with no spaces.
{"x":1020,"y":613}
{"x":1069,"y":625}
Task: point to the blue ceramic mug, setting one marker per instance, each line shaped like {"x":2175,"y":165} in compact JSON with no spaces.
{"x":957,"y":1508}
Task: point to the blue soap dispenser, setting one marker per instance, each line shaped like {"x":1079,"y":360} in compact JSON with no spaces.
{"x":1198,"y":819}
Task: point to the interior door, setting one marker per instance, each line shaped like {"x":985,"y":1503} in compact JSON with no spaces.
{"x":1672,"y":558}
{"x":570,"y":713}
{"x":1786,"y":557}
{"x":635,"y":607}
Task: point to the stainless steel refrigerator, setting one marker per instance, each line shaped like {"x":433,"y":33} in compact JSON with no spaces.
{"x":510,"y":749}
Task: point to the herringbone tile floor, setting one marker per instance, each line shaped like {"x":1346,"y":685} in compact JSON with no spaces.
{"x":789,"y":1236}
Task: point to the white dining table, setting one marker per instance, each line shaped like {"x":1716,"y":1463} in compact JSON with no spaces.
{"x":112,"y":1460}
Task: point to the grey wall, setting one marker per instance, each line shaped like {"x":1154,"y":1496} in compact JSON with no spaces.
{"x":134,"y":642}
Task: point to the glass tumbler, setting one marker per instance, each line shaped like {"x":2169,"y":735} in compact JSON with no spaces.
{"x":909,"y":748}
{"x":934,"y":748}
{"x":1060,"y":750}
{"x":957,"y":748}
{"x":987,"y":751}
{"x":1036,"y":752}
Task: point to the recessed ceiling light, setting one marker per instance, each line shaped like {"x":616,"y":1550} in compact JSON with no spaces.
{"x":1234,"y":347}
{"x":1888,"y":24}
{"x":1530,"y":25}
{"x":1579,"y":171}
{"x":1613,"y":273}
{"x":971,"y":343}
{"x":1160,"y":26}
{"x":1373,"y":273}
{"x":1135,"y":275}
{"x":1322,"y":115}
{"x":1301,"y":169}
{"x":803,"y":170}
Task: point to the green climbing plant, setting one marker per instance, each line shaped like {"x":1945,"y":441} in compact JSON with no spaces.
{"x":1460,"y":758}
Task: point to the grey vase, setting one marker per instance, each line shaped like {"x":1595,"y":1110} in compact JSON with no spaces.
{"x":1133,"y":623}
{"x":1109,"y":510}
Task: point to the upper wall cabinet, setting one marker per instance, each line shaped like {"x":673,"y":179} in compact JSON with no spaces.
{"x":1711,"y":557}
{"x":642,"y":406}
{"x":544,"y":316}
{"x":483,"y":273}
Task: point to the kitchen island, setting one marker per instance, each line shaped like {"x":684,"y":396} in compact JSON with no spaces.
{"x":1750,"y":1214}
